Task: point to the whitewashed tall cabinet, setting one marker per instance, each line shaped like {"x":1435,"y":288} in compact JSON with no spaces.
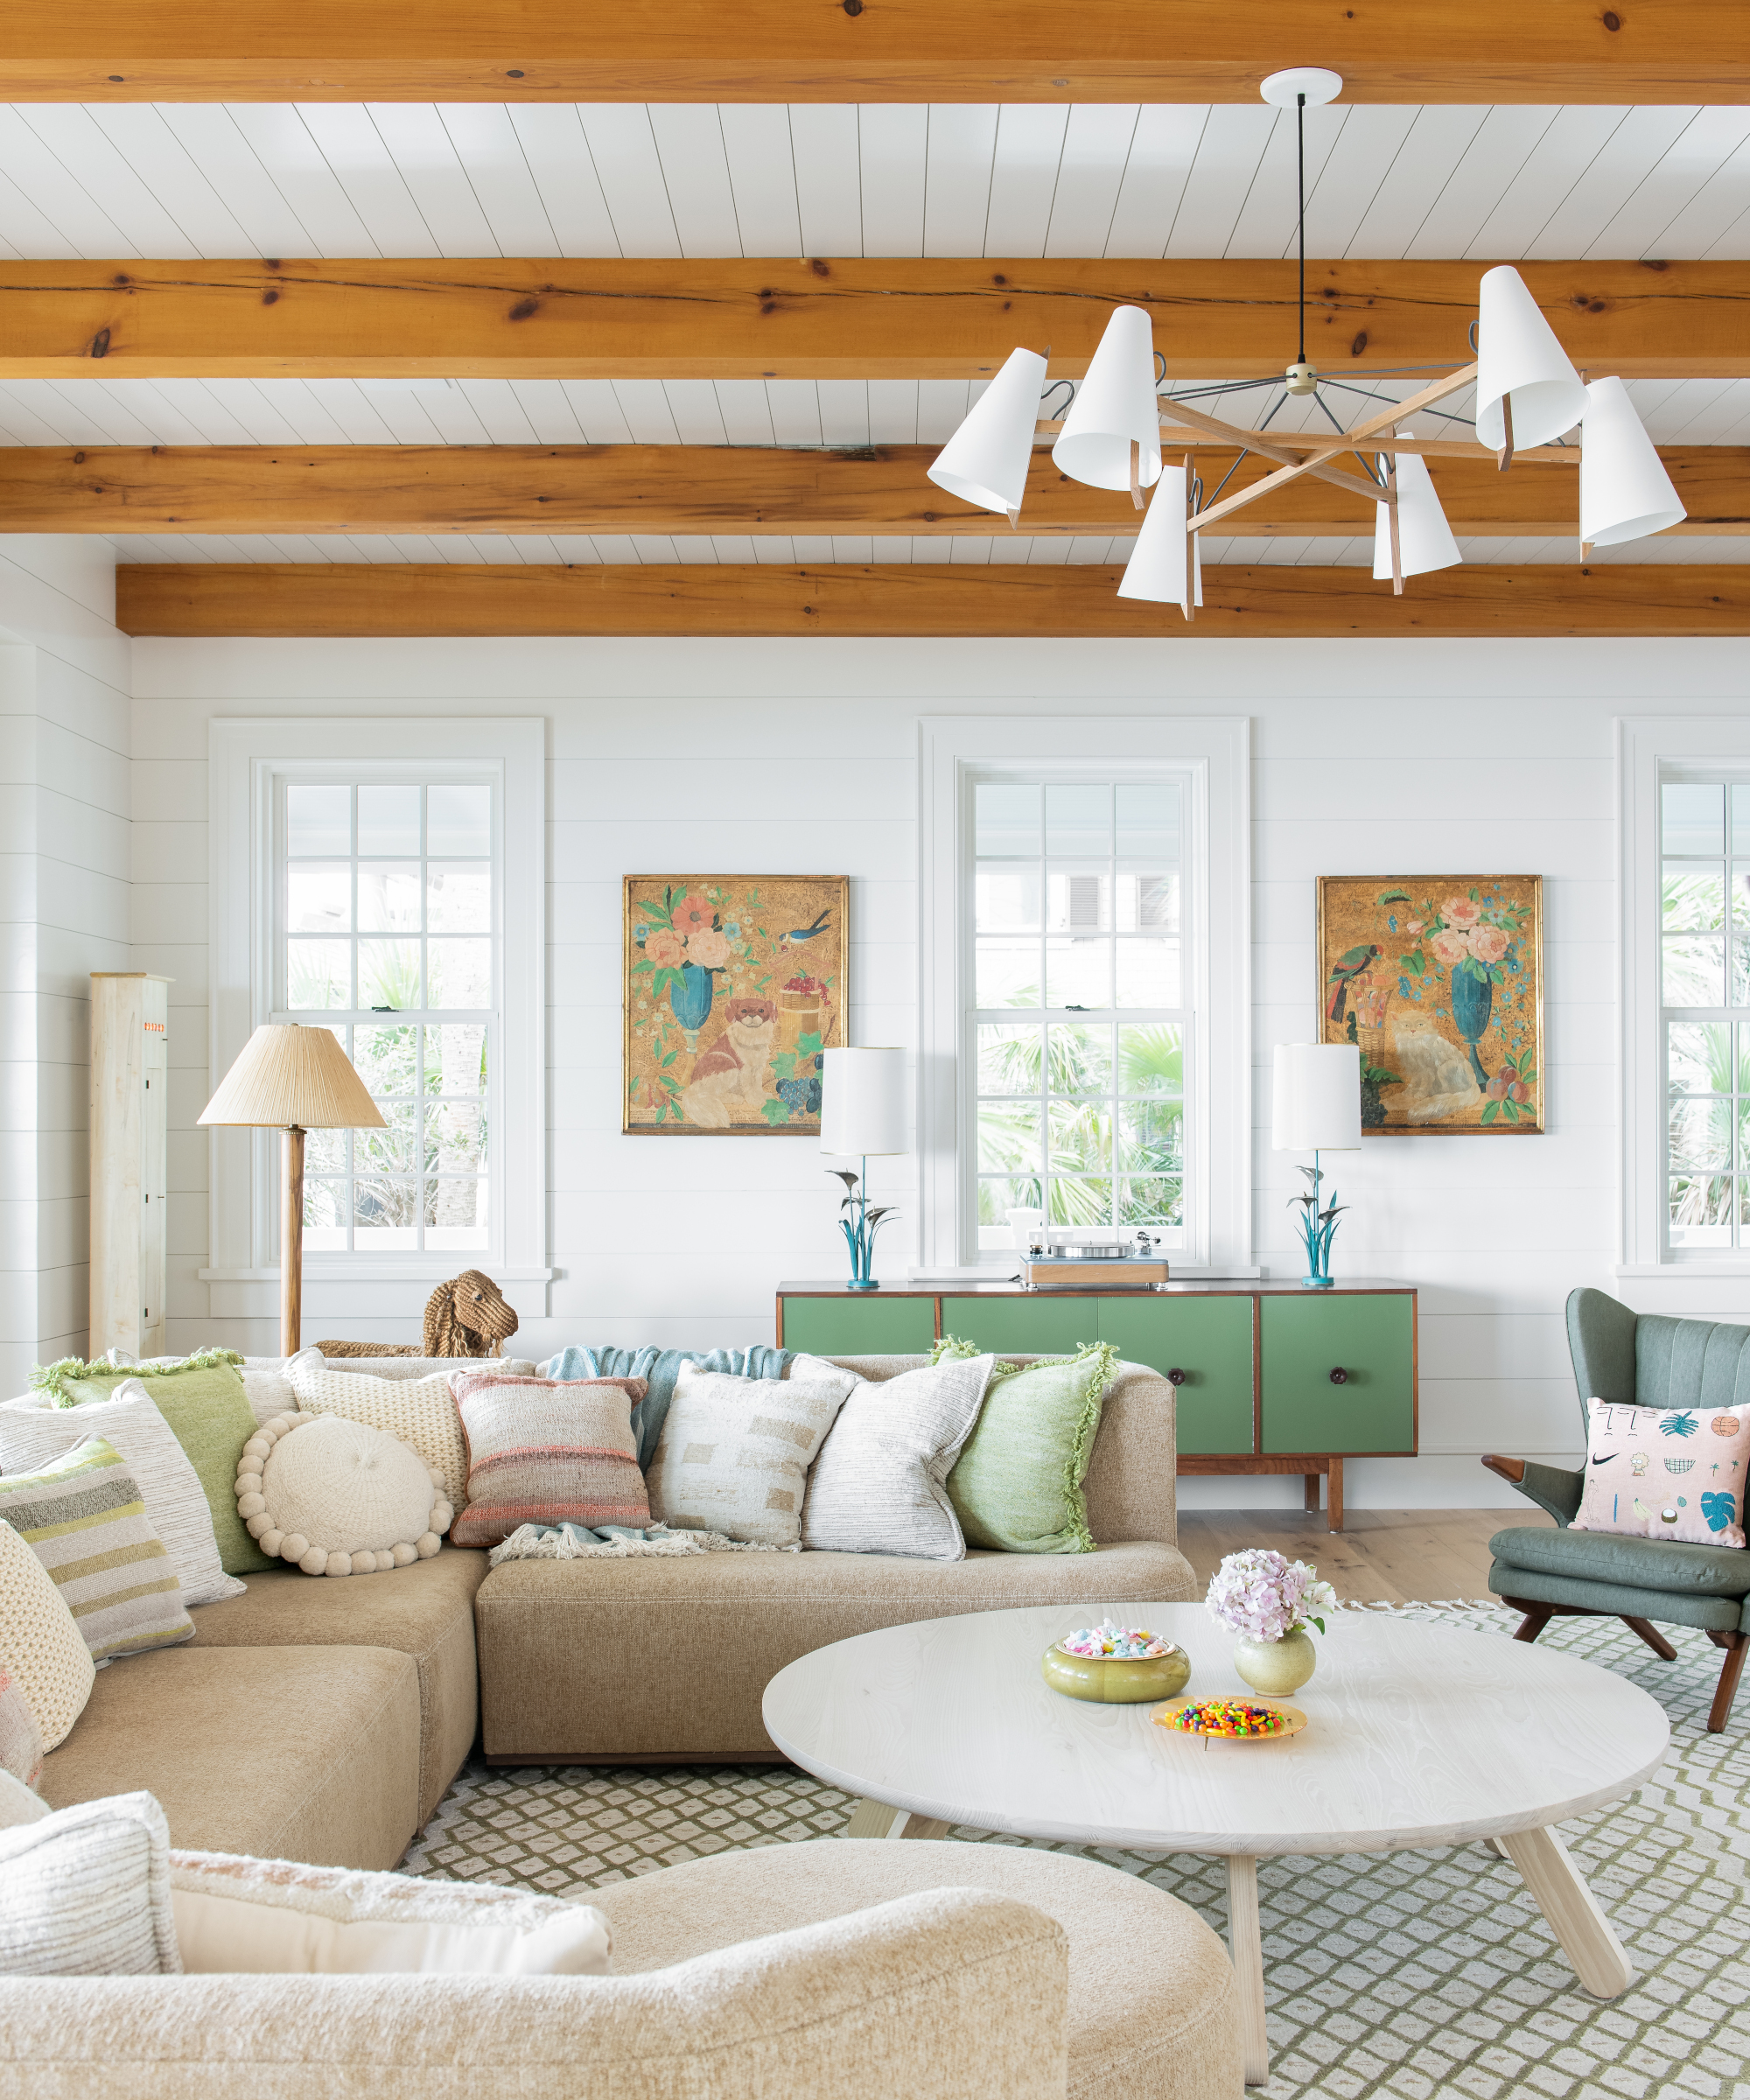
{"x":129,"y":1132}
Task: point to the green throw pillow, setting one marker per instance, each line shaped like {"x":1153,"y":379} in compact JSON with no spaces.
{"x":1017,"y":1486}
{"x":209,"y":1414}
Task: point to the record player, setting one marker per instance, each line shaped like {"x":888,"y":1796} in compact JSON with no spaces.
{"x":1092,"y":1264}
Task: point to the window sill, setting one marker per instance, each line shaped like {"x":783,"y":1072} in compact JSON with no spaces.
{"x":372,"y":1268}
{"x":1686,"y":1272}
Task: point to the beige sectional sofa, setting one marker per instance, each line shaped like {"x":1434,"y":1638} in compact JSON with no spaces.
{"x":323,"y":1721}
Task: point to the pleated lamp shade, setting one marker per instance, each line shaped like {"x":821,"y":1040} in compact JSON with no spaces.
{"x":863,"y":1103}
{"x":1115,"y":406}
{"x":1316,"y":1098}
{"x":985,"y":462}
{"x":289,"y":1077}
{"x":1625,"y":492}
{"x":1425,"y":539}
{"x":1517,"y":353}
{"x":1156,"y":569}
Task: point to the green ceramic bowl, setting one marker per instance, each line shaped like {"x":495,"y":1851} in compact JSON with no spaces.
{"x":1115,"y":1680}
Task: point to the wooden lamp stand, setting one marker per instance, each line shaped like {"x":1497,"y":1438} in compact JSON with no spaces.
{"x":291,"y":1240}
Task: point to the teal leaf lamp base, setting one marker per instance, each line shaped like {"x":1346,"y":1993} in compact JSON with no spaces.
{"x":1317,"y":1230}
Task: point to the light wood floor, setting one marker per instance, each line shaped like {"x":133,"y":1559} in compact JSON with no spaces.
{"x":1381,"y":1556}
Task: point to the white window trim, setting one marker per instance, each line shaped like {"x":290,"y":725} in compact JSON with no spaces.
{"x":244,"y":757}
{"x":1215,"y":753}
{"x":1645,"y":743}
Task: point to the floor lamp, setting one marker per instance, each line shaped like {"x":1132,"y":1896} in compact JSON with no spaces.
{"x":292,"y":1079}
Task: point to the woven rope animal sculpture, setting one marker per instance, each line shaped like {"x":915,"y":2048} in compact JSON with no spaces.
{"x":465,"y":1317}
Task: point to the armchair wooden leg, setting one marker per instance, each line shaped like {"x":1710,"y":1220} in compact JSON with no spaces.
{"x":1653,"y":1637}
{"x":1736,"y":1647}
{"x":1537,"y":1616}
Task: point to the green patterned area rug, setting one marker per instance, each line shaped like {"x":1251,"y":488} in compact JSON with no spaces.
{"x":1406,"y":1974}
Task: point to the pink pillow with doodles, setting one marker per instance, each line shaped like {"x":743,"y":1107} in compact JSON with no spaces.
{"x":1666,"y":1472}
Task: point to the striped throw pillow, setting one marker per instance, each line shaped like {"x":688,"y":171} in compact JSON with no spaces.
{"x":84,"y":1518}
{"x":544,"y":1450}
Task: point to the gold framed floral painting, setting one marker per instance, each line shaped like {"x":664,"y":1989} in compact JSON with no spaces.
{"x":734,"y":986}
{"x":1439,"y":981}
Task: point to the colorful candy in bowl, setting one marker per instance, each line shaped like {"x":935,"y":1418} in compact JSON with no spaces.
{"x":1115,"y":1665}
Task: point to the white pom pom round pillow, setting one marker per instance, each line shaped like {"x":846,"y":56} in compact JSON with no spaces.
{"x":335,"y":1497}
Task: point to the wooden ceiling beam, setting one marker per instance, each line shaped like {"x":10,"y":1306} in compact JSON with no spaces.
{"x":882,"y":490}
{"x":862,"y":50}
{"x":936,"y":598}
{"x":830,"y":318}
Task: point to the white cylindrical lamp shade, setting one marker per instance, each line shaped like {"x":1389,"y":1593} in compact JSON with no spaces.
{"x":985,"y":462}
{"x":1517,"y":353}
{"x":1316,"y":1098}
{"x":1625,"y":492}
{"x":1115,"y":407}
{"x":1156,"y":569}
{"x":863,"y":1103}
{"x":1425,"y":539}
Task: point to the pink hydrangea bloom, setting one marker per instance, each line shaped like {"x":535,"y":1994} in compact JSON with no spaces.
{"x":1263,"y":1595}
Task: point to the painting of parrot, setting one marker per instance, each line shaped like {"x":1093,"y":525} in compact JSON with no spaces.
{"x":1355,"y":963}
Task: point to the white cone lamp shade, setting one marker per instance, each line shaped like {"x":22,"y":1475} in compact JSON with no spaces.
{"x":1425,"y":539}
{"x":1625,"y":492}
{"x":985,"y":462}
{"x":1156,"y":569}
{"x":863,"y":1103}
{"x":1115,"y":407}
{"x":1517,"y":353}
{"x":1316,"y":1098}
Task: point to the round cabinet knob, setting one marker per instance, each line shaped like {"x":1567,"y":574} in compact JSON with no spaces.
{"x":1175,"y":1376}
{"x":1340,"y":1376}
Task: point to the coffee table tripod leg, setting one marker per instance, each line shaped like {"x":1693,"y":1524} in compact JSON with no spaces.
{"x":1572,"y":1911}
{"x":876,"y":1819}
{"x":1245,"y":1944}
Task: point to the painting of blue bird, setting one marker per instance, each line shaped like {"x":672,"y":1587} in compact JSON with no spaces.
{"x":1356,"y":962}
{"x":797,"y":935}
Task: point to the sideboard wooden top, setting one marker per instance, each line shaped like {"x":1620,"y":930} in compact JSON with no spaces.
{"x":1193,"y":1287}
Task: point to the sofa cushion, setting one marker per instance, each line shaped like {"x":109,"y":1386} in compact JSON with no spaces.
{"x":565,"y":1649}
{"x":1614,"y":1601}
{"x":734,"y":1453}
{"x":1640,"y":1564}
{"x":1017,"y":1486}
{"x":287,"y":1753}
{"x":879,"y":1485}
{"x":1131,"y":1945}
{"x":420,"y":1411}
{"x":425,"y":1612}
{"x":548,"y":1451}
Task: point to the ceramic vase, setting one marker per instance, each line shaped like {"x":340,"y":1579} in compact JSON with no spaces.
{"x":1472,"y":1002}
{"x":692,"y":1001}
{"x":1276,"y":1667}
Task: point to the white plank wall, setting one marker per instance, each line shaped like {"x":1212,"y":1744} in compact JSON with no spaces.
{"x":1387,"y":758}
{"x":65,"y":886}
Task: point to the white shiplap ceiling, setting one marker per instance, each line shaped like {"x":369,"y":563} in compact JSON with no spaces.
{"x":190,"y":180}
{"x":694,"y":179}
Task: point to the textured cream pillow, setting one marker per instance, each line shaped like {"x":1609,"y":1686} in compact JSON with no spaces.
{"x":336,"y":1497}
{"x":269,"y":1917}
{"x":420,"y":1411}
{"x":879,"y":1485}
{"x":734,"y":1453}
{"x":21,"y":1738}
{"x":40,"y":1643}
{"x":85,"y":1891}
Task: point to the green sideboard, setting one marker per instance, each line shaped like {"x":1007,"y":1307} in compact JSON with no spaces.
{"x":1270,"y":1377}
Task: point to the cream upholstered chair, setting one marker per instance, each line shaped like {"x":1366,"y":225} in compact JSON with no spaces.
{"x":936,"y":1971}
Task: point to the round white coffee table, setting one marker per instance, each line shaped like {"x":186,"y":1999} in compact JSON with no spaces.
{"x":1420,"y":1735}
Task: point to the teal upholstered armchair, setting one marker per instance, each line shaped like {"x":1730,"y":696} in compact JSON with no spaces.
{"x":1646,"y":1361}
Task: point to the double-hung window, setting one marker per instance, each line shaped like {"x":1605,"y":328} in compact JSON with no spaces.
{"x":1704,"y":1009}
{"x":1076,"y":1028}
{"x":387,"y":933}
{"x":386,"y":878}
{"x":1085,"y":985}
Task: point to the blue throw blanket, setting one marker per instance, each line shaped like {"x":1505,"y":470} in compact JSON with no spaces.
{"x":660,"y":1368}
